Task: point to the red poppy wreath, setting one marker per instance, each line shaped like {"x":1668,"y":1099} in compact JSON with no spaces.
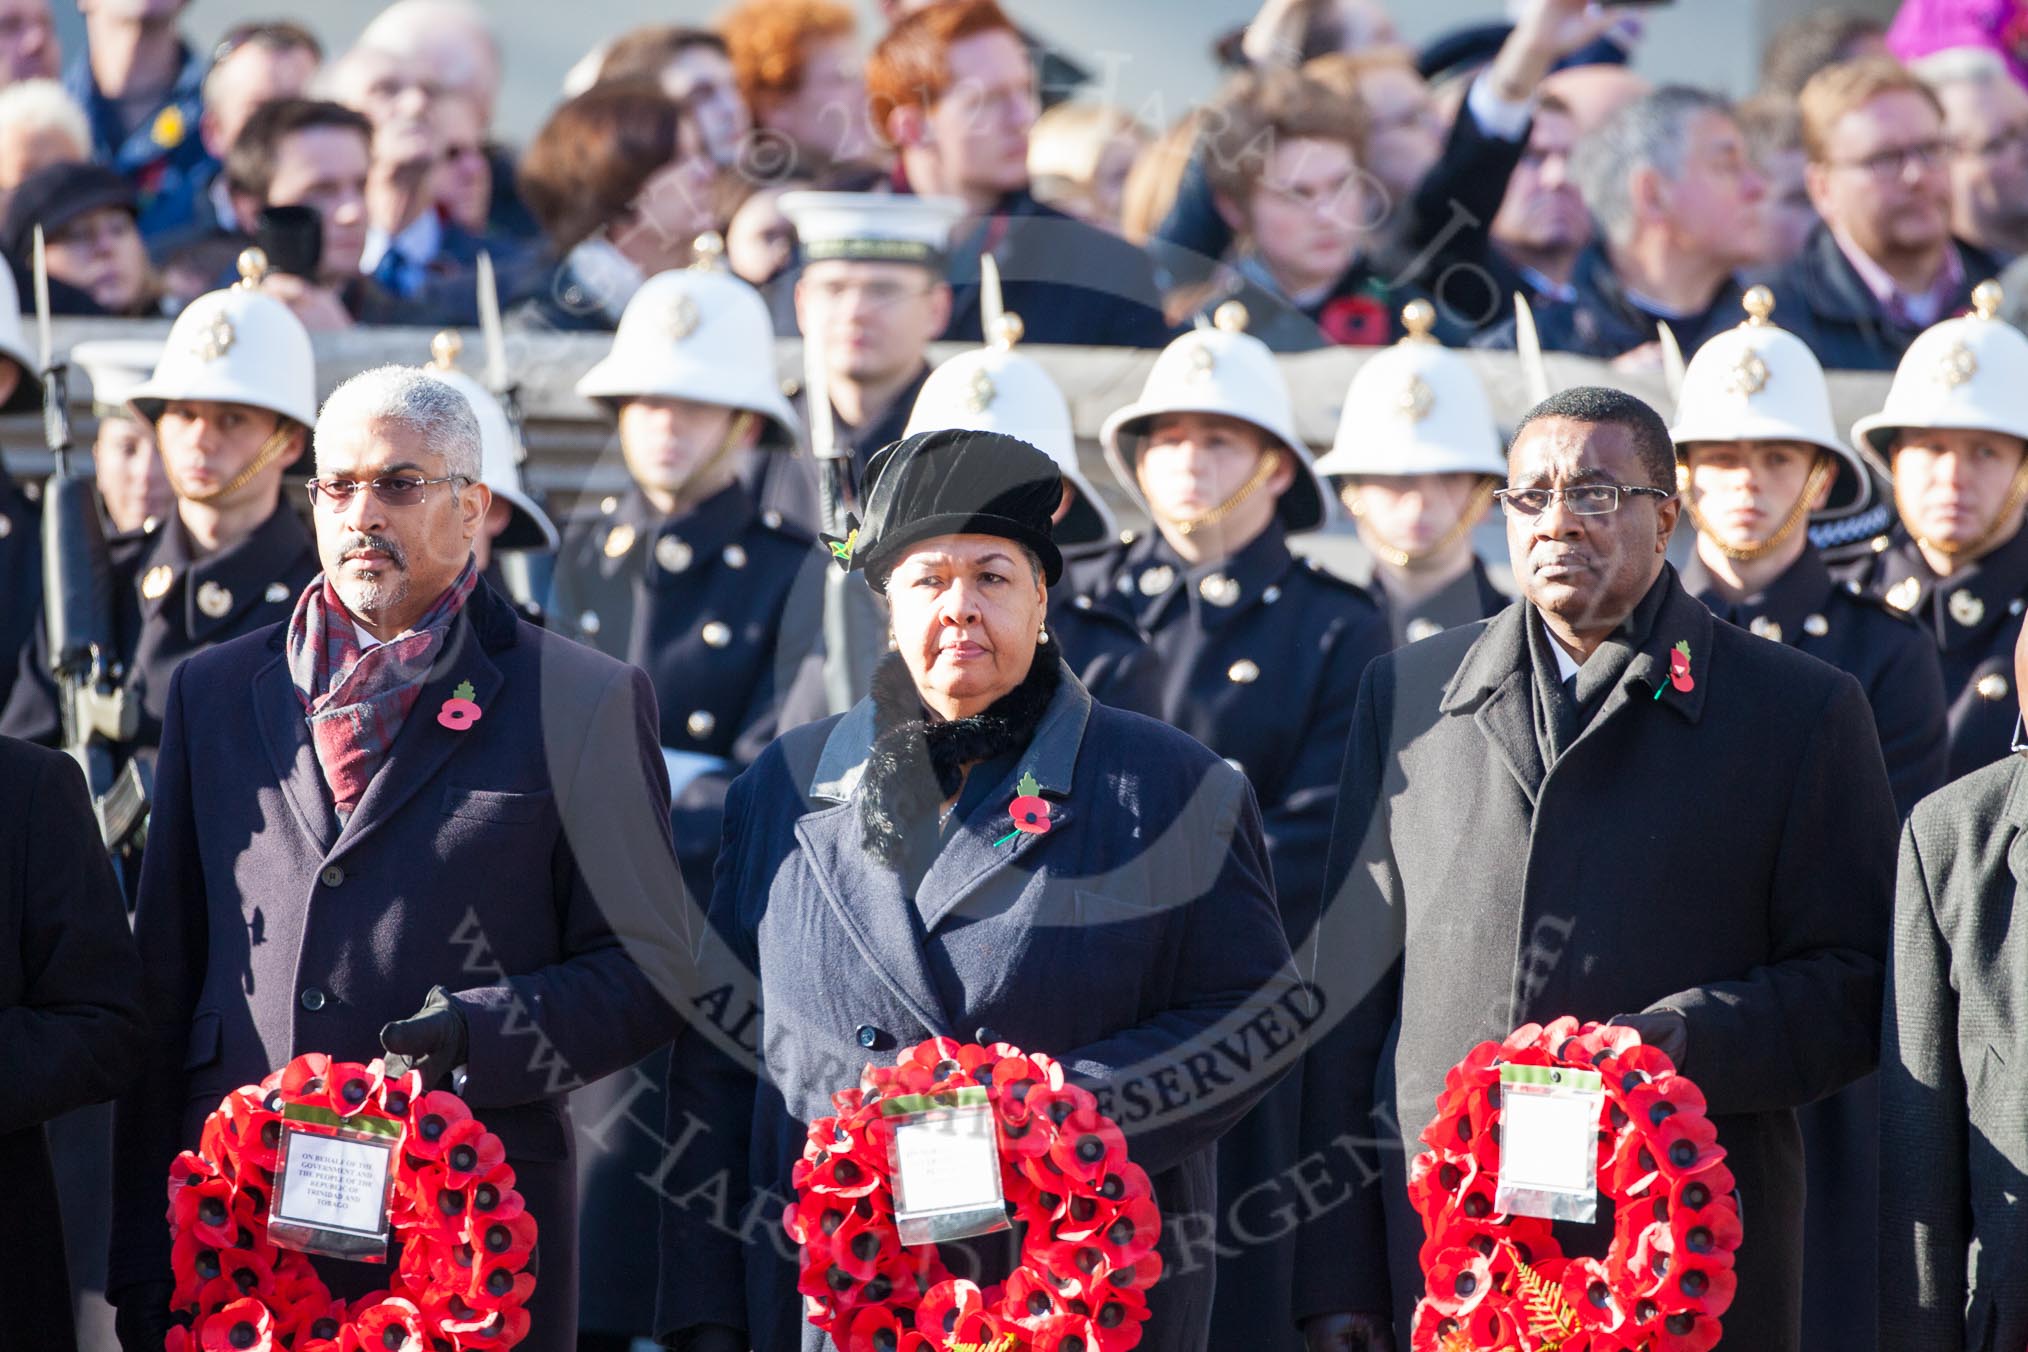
{"x":461,"y":1281}
{"x":1087,"y":1217}
{"x":1494,"y":1281}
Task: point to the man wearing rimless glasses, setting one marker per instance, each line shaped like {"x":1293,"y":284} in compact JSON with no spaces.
{"x":1601,"y":802}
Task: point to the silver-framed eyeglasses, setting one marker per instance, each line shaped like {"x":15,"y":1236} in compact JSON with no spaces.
{"x":1579,"y":499}
{"x":396,"y":490}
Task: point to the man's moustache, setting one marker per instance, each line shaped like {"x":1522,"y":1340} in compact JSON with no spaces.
{"x":353,"y":544}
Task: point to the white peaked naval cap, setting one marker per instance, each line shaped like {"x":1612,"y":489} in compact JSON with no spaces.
{"x":116,"y":367}
{"x":873,"y":227}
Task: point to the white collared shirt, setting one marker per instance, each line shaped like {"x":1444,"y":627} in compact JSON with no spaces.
{"x":1566,"y":665}
{"x":418,"y":241}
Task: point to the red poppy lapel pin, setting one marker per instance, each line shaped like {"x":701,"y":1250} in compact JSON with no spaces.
{"x":459,"y":711}
{"x":1029,"y":810}
{"x":1679,"y":670}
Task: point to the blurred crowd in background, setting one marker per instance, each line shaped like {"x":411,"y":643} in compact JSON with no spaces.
{"x":1878,"y":173}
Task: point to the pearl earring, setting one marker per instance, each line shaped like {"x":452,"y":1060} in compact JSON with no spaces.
{"x":1042,"y":637}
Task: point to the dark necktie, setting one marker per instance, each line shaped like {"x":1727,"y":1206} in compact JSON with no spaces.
{"x":1569,"y":719}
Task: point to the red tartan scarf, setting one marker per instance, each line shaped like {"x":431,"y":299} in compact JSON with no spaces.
{"x":355,"y":700}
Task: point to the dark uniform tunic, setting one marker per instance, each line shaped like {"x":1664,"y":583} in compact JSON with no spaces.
{"x":788,"y":483}
{"x":20,"y":578}
{"x":1107,"y":650}
{"x":719,"y":606}
{"x":1975,"y":617}
{"x":1262,"y":655}
{"x":1466,"y":599}
{"x":1897,"y":666}
{"x":1097,"y":635}
{"x":1854,"y":631}
{"x":169,"y":603}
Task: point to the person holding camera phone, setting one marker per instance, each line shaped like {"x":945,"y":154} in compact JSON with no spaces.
{"x":297,"y":180}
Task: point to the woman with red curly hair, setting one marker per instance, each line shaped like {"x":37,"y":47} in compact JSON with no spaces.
{"x":799,"y":68}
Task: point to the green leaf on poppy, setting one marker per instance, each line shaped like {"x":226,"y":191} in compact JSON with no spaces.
{"x":1684,"y":648}
{"x":464,"y":691}
{"x":1027,"y":788}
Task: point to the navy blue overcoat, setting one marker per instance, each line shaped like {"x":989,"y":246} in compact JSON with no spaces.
{"x":523,"y":863}
{"x":1137,"y":941}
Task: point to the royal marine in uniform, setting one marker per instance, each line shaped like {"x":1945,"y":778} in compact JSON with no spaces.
{"x":684,"y":575}
{"x":1262,"y":655}
{"x":232,"y":404}
{"x":1758,"y":459}
{"x":997,"y":389}
{"x":1955,"y":431}
{"x":1415,"y":462}
{"x":717,"y":599}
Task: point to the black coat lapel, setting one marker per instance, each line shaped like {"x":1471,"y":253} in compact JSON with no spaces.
{"x":1507,"y":718}
{"x":975,"y":849}
{"x":1679,"y":618}
{"x":286,"y":737}
{"x":1493,"y":685}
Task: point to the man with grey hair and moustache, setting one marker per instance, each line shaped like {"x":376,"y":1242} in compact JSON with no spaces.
{"x":1677,"y":204}
{"x":404,"y":819}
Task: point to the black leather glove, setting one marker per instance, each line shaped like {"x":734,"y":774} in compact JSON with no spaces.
{"x":1348,"y":1333}
{"x":1664,"y":1029}
{"x":432,"y":1040}
{"x":708,"y":1338}
{"x":141,"y":1318}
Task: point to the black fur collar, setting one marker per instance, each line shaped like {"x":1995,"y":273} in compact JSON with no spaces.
{"x":918,"y":761}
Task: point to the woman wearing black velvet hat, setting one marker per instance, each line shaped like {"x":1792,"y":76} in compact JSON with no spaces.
{"x":872,"y":882}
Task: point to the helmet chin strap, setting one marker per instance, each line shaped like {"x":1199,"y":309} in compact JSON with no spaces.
{"x":735,"y":432}
{"x":1820,"y":474}
{"x":2010,"y":510}
{"x":1473,"y":512}
{"x":270,"y":451}
{"x":1188,"y":526}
